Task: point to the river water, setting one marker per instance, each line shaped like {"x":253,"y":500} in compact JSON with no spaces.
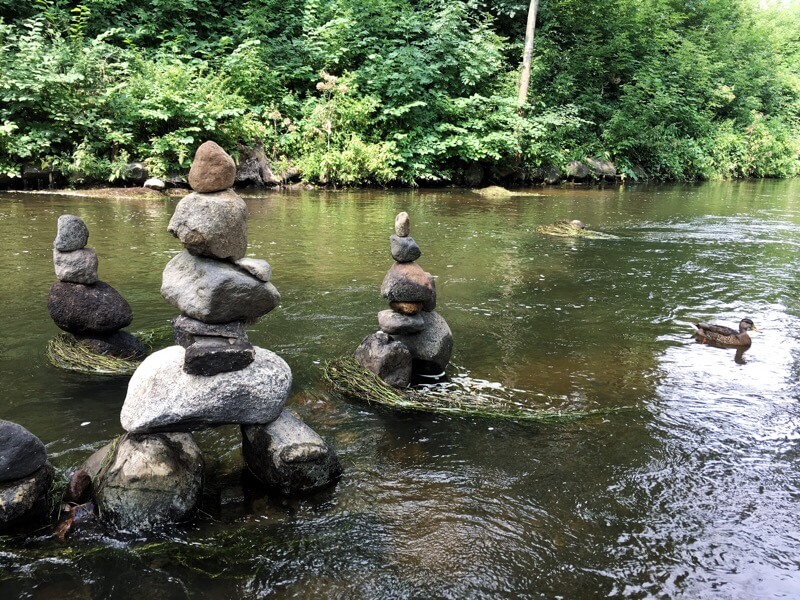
{"x":691,"y":492}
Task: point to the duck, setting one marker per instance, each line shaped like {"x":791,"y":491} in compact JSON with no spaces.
{"x":719,"y":334}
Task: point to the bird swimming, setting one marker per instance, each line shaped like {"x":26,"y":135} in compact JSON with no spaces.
{"x":707,"y":333}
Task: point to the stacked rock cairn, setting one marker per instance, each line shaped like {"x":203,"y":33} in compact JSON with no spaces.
{"x":79,"y":303}
{"x":414,"y":341}
{"x":25,"y":475}
{"x":213,"y":376}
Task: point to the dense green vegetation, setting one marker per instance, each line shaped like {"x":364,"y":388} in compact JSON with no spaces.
{"x":405,"y":91}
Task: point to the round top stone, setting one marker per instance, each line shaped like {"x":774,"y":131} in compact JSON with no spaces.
{"x":21,"y":452}
{"x":402,"y":225}
{"x":213,"y":170}
{"x":72,"y":234}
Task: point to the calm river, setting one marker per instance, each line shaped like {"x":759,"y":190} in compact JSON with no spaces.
{"x":691,"y":493}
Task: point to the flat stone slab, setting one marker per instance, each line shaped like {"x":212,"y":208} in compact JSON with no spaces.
{"x":186,"y":330}
{"x":86,"y":309}
{"x":77,"y":266}
{"x":212,"y":225}
{"x":162,"y":397}
{"x":21,"y":452}
{"x":213,"y":291}
{"x":72,"y":234}
{"x":392,"y":322}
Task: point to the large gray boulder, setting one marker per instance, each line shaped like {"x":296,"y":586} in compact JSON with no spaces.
{"x":576,"y":171}
{"x":287,"y":454}
{"x":72,"y":234}
{"x":388,"y":358}
{"x":408,"y":282}
{"x":86,"y":309}
{"x":162,"y":397}
{"x":213,"y":170}
{"x":254,"y":167}
{"x":77,"y":266}
{"x":216,"y":292}
{"x":25,"y":498}
{"x":149,"y":480}
{"x":392,"y":322}
{"x":601,"y":168}
{"x":212,"y":225}
{"x":431,"y":349}
{"x":21,"y":452}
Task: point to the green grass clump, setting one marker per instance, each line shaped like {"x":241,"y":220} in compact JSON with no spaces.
{"x":567,"y":229}
{"x":350,"y":379}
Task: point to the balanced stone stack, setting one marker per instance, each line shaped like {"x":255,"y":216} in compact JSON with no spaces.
{"x":414,"y":340}
{"x":79,"y":303}
{"x":25,"y":475}
{"x":214,"y":375}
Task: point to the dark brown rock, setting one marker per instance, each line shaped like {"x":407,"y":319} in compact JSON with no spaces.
{"x":431,"y":348}
{"x":213,"y":170}
{"x":79,"y":489}
{"x":389,"y":359}
{"x":407,"y":282}
{"x":185,"y":329}
{"x":88,"y":309}
{"x":120,"y":344}
{"x":406,"y":308}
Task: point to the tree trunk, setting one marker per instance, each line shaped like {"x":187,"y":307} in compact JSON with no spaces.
{"x":525,"y":77}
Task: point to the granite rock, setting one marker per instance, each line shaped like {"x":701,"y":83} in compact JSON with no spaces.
{"x":77,"y":266}
{"x":290,"y":456}
{"x":72,"y":234}
{"x":388,"y":358}
{"x":213,"y":225}
{"x":213,"y":170}
{"x":216,"y":292}
{"x":162,"y":397}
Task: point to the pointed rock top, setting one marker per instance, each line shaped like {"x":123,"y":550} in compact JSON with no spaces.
{"x":213,"y":170}
{"x":402,"y":225}
{"x":72,"y":234}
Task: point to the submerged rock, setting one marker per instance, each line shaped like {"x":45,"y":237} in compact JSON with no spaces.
{"x":21,"y":452}
{"x":430,"y":349}
{"x":287,"y":454}
{"x":150,"y":480}
{"x":120,"y":344}
{"x":212,"y":225}
{"x":162,"y":397}
{"x":213,"y":170}
{"x":389,"y":359}
{"x":86,"y":309}
{"x":25,"y":498}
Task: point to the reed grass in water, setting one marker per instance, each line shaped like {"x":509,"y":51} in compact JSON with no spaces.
{"x":349,"y":378}
{"x":65,"y":352}
{"x":567,"y":229}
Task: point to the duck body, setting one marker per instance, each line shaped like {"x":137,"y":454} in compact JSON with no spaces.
{"x":708,"y":333}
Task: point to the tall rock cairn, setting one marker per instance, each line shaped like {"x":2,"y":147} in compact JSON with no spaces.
{"x":414,"y":341}
{"x":214,"y":375}
{"x":79,"y":303}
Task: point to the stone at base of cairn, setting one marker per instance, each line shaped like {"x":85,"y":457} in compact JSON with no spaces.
{"x":386,"y":357}
{"x":290,"y":456}
{"x":147,"y":480}
{"x":24,"y":499}
{"x":119,"y":344}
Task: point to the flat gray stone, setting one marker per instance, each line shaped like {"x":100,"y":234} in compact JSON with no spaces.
{"x":72,"y":234}
{"x":392,"y":322}
{"x":77,"y":266}
{"x":88,"y":309}
{"x":21,"y":452}
{"x":287,"y":454}
{"x":432,"y":347}
{"x":402,"y":224}
{"x":186,"y":330}
{"x":213,"y":225}
{"x":150,"y":480}
{"x":258,"y":268}
{"x":213,"y":291}
{"x":162,"y":397}
{"x":25,"y":498}
{"x":213,"y":355}
{"x":404,"y":249}
{"x":388,"y":358}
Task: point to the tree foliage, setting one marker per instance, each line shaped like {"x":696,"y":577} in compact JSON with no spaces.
{"x":357,"y":92}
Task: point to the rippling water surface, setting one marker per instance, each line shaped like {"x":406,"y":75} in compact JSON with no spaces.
{"x":691,"y":493}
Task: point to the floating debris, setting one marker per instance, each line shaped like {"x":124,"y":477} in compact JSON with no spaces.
{"x":495,"y":191}
{"x":350,"y":379}
{"x":568,"y":229}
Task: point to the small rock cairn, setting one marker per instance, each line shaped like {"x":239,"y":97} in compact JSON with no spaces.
{"x":414,"y":341}
{"x":25,"y":475}
{"x":82,"y":305}
{"x":213,"y":376}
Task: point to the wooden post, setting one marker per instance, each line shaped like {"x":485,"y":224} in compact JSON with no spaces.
{"x":525,"y":76}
